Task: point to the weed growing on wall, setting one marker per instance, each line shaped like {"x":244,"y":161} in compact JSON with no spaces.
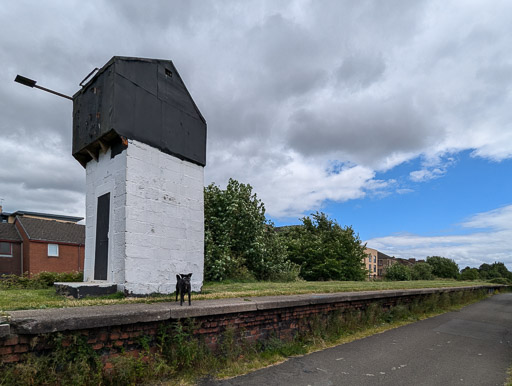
{"x":70,"y":360}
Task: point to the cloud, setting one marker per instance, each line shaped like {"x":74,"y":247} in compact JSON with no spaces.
{"x":490,"y":240}
{"x":425,"y":175}
{"x":404,"y":191}
{"x":288,"y":183}
{"x":287,"y":88}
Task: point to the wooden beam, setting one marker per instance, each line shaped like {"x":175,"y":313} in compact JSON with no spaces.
{"x":93,"y":156}
{"x":103,"y":145}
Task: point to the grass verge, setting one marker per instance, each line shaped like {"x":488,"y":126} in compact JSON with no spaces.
{"x":176,"y":357}
{"x":17,"y":299}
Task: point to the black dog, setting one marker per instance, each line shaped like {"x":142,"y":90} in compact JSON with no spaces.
{"x":182,"y":286}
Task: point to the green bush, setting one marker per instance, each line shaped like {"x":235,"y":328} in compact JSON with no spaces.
{"x":239,"y":242}
{"x":421,"y":271}
{"x":38,"y":281}
{"x":443,"y":267}
{"x":469,"y":274}
{"x":495,"y":270}
{"x":499,"y":280}
{"x":398,"y":272}
{"x":324,"y":250}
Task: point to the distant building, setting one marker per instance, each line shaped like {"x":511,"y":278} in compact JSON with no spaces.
{"x":34,"y":242}
{"x":10,"y":217}
{"x":385,"y":262}
{"x":371,"y":262}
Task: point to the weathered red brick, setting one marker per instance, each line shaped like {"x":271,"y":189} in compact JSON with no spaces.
{"x":97,"y":346}
{"x":11,"y":341}
{"x":6,"y":350}
{"x":21,"y":348}
{"x":114,"y":336}
{"x":23,"y":339}
{"x":11,"y":358}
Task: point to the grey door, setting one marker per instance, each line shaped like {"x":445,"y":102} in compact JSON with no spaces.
{"x":102,"y":220}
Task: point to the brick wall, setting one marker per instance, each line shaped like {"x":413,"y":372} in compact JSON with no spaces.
{"x":276,"y":318}
{"x":36,"y":259}
{"x":71,"y":258}
{"x":11,"y":265}
{"x":25,"y":247}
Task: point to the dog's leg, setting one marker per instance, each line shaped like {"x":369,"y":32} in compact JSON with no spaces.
{"x":178,"y":278}
{"x":189,"y":297}
{"x":182,"y":297}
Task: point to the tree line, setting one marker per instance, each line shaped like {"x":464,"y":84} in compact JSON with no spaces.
{"x":241,"y":244}
{"x":444,"y":268}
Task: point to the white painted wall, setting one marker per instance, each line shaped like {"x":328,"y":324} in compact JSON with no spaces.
{"x":164,"y":220}
{"x":107,"y":175}
{"x":156,"y":222}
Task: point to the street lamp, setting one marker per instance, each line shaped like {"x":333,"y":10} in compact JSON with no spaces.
{"x":32,"y":83}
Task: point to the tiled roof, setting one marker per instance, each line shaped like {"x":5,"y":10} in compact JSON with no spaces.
{"x":51,"y":230}
{"x":47,"y":216}
{"x":9,"y":232}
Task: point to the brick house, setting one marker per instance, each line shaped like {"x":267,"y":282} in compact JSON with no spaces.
{"x":385,"y":262}
{"x":10,"y":250}
{"x":35,"y":242}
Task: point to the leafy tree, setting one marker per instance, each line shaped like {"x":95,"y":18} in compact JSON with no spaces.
{"x":325,"y":250}
{"x":421,"y":271}
{"x":469,"y":274}
{"x":443,"y":267}
{"x":493,"y":271}
{"x":239,"y":242}
{"x":398,"y":272}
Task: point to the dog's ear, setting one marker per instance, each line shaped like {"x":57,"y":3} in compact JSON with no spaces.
{"x":178,"y":277}
{"x":188,"y":275}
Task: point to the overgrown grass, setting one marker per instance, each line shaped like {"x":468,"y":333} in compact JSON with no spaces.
{"x":38,"y":281}
{"x":15,"y":299}
{"x":181,"y":358}
{"x":508,"y":382}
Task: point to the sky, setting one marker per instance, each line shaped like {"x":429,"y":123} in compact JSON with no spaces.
{"x":392,"y":116}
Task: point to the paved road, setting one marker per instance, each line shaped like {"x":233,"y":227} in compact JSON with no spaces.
{"x":469,"y":347}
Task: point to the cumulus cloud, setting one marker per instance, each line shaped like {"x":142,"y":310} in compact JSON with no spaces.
{"x":489,"y":239}
{"x":287,"y":88}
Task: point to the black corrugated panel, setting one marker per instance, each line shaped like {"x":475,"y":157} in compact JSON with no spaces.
{"x":141,"y":99}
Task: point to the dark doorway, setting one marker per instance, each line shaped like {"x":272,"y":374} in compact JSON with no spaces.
{"x":102,"y":219}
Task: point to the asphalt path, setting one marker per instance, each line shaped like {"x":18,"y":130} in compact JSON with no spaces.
{"x":472,"y":346}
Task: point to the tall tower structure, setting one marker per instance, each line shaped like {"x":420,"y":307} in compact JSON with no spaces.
{"x":142,"y":140}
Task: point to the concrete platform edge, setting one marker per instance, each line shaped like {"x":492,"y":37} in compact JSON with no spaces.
{"x":77,"y":318}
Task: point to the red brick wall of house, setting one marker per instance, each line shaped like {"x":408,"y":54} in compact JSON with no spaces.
{"x":25,"y":248}
{"x":71,"y":258}
{"x":35,"y":256}
{"x":11,"y":265}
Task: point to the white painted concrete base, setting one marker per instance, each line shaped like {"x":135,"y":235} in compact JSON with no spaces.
{"x":156,"y":225}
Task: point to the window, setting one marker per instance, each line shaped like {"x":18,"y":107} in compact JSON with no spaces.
{"x":374,"y":259}
{"x":370,"y":267}
{"x":53,"y":250}
{"x":374,"y":268}
{"x":5,"y":249}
